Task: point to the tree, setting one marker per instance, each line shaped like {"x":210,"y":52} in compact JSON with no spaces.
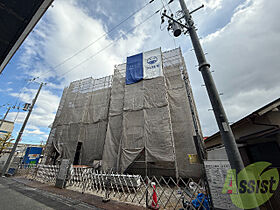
{"x":5,"y":142}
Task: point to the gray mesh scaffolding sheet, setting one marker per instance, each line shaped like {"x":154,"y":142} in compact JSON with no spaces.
{"x":144,"y":128}
{"x":82,"y":117}
{"x":146,"y":123}
{"x":150,"y":129}
{"x":115,"y":123}
{"x":181,"y":118}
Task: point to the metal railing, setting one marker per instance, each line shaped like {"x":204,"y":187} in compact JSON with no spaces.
{"x":162,"y":192}
{"x":39,"y":172}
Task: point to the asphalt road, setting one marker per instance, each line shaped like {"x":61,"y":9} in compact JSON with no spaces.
{"x":17,"y":196}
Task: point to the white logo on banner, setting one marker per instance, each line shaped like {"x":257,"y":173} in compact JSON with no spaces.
{"x":152,"y":64}
{"x":152,"y":60}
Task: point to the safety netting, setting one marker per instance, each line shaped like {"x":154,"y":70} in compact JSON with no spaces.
{"x":81,"y":118}
{"x":146,"y":127}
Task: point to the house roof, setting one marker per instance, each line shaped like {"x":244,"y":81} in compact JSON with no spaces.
{"x":18,"y":18}
{"x":272,"y":105}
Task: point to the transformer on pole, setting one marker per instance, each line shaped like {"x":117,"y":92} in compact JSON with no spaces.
{"x":188,"y":27}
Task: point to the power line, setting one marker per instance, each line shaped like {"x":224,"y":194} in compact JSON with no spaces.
{"x":109,"y":45}
{"x":15,"y":106}
{"x":18,"y":108}
{"x":167,"y":5}
{"x":10,"y":101}
{"x":87,"y":59}
{"x":22,"y":90}
{"x":83,"y":49}
{"x":99,"y":38}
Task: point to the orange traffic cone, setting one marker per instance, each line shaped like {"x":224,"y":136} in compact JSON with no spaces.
{"x":154,"y":201}
{"x":230,"y":184}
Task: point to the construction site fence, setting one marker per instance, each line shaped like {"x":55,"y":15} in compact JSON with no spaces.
{"x":150,"y":192}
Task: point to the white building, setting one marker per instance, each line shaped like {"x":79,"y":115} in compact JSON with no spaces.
{"x":6,"y":128}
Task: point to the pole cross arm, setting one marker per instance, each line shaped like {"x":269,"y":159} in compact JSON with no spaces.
{"x":176,"y":21}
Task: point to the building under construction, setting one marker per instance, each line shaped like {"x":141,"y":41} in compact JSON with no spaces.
{"x":149,"y":127}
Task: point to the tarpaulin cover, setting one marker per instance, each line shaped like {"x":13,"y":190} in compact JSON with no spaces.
{"x":134,"y":69}
{"x":181,"y":118}
{"x":82,"y":117}
{"x":93,"y":142}
{"x":146,"y":65}
{"x":111,"y":150}
{"x":120,"y":124}
{"x":146,"y":123}
{"x":152,"y":64}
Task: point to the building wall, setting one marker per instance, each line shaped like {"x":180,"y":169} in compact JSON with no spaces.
{"x":3,"y":159}
{"x":252,"y":143}
{"x":250,"y":126}
{"x":7,"y":127}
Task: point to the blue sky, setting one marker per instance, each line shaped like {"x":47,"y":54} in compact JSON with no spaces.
{"x":241,"y":38}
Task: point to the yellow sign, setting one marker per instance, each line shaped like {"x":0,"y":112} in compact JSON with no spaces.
{"x":193,"y":158}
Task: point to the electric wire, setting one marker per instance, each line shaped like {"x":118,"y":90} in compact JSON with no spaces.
{"x":99,"y":38}
{"x":109,"y":45}
{"x":167,"y":5}
{"x":10,"y":101}
{"x":169,"y":9}
{"x":87,"y":59}
{"x":18,"y":108}
{"x":15,"y":106}
{"x":160,"y":26}
{"x":22,"y":90}
{"x":86,"y":47}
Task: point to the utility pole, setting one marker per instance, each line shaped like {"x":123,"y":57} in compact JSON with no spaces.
{"x":8,"y":162}
{"x":220,"y":115}
{"x":204,"y":67}
{"x":2,"y":121}
{"x":228,"y":139}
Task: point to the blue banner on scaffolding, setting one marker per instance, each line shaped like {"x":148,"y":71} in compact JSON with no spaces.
{"x":145,"y":65}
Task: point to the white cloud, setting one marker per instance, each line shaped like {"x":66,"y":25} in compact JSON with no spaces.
{"x":211,"y":4}
{"x":44,"y":110}
{"x":18,"y":116}
{"x":245,"y":59}
{"x":34,"y":132}
{"x":243,"y":53}
{"x":6,"y":90}
{"x":32,"y":127}
{"x":68,"y":28}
